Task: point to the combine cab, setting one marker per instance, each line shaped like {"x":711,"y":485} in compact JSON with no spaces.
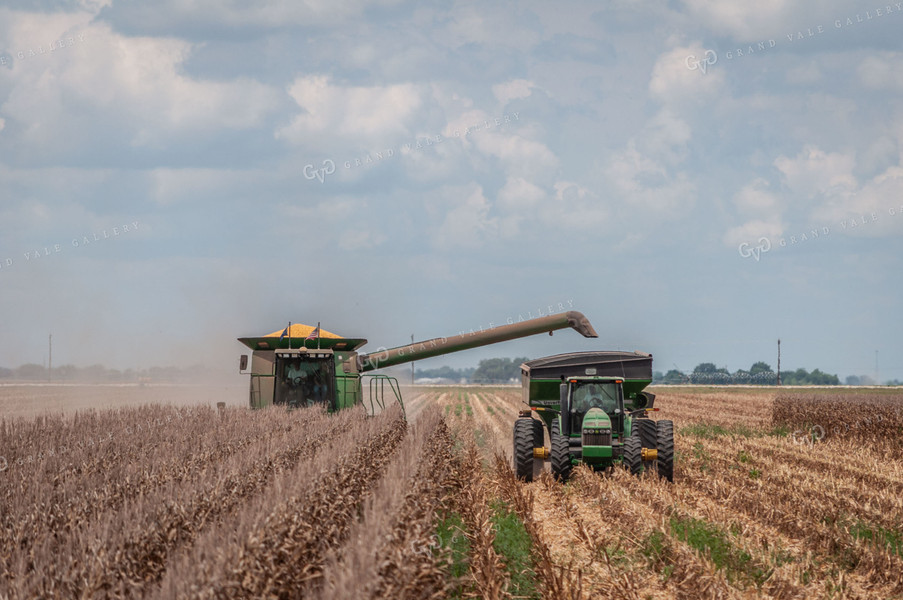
{"x":286,"y":368}
{"x":595,"y":410}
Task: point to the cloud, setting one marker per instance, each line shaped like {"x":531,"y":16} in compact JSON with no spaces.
{"x":763,"y":213}
{"x":814,"y":171}
{"x":751,"y":231}
{"x":829,"y":179}
{"x":667,"y":137}
{"x":644,"y":182}
{"x":512,"y":90}
{"x":236,"y":16}
{"x":467,"y":223}
{"x":350,"y":111}
{"x":741,"y":20}
{"x":674,"y":79}
{"x":879,"y":203}
{"x":883,"y":71}
{"x":755,"y":199}
{"x":136,"y":86}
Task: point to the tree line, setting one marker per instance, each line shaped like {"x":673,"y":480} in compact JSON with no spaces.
{"x":760,"y":373}
{"x":101,"y":374}
{"x":489,"y":370}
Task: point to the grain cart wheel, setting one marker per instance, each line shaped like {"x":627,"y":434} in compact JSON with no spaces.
{"x":633,"y":459}
{"x":561,"y":454}
{"x":524,"y":438}
{"x":539,"y":439}
{"x":665,"y":458}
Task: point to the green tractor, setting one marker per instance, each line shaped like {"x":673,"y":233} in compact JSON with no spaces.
{"x":595,"y":410}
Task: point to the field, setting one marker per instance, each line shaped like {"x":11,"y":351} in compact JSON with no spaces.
{"x":798,"y":497}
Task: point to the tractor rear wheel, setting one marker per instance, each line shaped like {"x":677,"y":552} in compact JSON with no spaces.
{"x":647,"y":431}
{"x":633,"y":459}
{"x":665,"y":458}
{"x":524,"y":438}
{"x":561,"y":454}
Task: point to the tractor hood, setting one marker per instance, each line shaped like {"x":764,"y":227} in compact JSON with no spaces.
{"x":596,"y":418}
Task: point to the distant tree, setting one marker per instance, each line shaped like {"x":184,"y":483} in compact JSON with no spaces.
{"x":5,"y":373}
{"x":31,"y":371}
{"x":445,"y":372}
{"x":760,"y":367}
{"x":708,"y":373}
{"x":65,"y":373}
{"x":817,"y":377}
{"x":94,"y":373}
{"x":657,"y":376}
{"x":853,"y":380}
{"x":740,"y":377}
{"x":497,"y":370}
{"x":803,"y":377}
{"x":674,"y":376}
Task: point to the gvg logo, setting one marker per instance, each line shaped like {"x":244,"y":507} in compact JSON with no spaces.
{"x":709,"y":58}
{"x":328,"y":168}
{"x":756,"y":251}
{"x":808,"y":436}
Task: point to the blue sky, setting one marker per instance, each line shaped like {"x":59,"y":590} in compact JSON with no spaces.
{"x":699,"y":178}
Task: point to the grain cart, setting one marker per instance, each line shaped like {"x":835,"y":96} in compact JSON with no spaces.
{"x":302,"y":365}
{"x":596,"y":412}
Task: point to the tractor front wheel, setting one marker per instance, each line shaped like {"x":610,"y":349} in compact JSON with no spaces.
{"x":561,"y":454}
{"x":633,"y":457}
{"x":665,"y":458}
{"x":524,"y":438}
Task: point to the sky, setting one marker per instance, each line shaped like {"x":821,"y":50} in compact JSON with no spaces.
{"x":698,"y":177}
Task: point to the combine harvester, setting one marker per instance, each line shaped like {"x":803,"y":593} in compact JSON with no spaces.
{"x":284,"y":371}
{"x":596,"y":412}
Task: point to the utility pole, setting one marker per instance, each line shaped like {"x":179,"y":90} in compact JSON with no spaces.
{"x":779,"y":361}
{"x":877,"y":377}
{"x":50,"y":353}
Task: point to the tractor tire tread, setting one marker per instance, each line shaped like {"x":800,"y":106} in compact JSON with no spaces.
{"x":665,"y":460}
{"x":524,"y":435}
{"x":561,"y":454}
{"x":633,"y":460}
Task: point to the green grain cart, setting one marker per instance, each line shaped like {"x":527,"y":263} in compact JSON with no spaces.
{"x":294,"y":370}
{"x":595,"y":410}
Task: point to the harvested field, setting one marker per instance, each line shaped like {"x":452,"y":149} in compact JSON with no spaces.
{"x":187,"y":502}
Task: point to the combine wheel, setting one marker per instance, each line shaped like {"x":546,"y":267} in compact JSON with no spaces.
{"x":561,"y":454}
{"x":524,"y":438}
{"x":633,"y":459}
{"x":665,"y":458}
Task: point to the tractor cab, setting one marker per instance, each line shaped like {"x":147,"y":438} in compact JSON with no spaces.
{"x":305,"y":377}
{"x":606,"y":395}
